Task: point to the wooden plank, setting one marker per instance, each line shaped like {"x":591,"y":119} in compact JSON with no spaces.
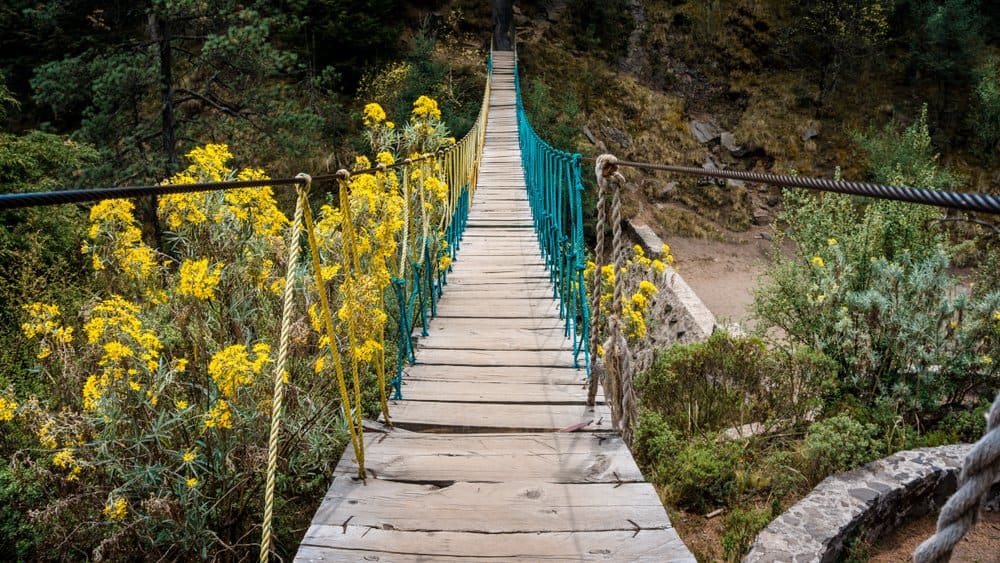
{"x":492,"y":507}
{"x":498,"y":358}
{"x":333,"y":543}
{"x":554,"y":457}
{"x":492,"y":392}
{"x":518,"y":339}
{"x":541,"y":375}
{"x":427,"y":416}
{"x":497,"y":309}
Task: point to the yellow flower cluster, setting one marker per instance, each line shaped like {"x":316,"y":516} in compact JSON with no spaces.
{"x":426,"y":108}
{"x":638,"y":292}
{"x":239,"y":208}
{"x":219,"y":416}
{"x":8,"y":406}
{"x":373,"y":114}
{"x":43,"y":323}
{"x":117,"y":240}
{"x":116,"y":509}
{"x":233,"y":367}
{"x":126,"y":348}
{"x":197,"y":281}
{"x":65,"y":460}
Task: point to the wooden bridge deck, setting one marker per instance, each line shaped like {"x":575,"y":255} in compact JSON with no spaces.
{"x":477,"y":467}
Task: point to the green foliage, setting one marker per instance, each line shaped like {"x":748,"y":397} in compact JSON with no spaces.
{"x":602,"y":27}
{"x":556,"y":123}
{"x":870,"y":288}
{"x":835,"y":37}
{"x":838,"y":444}
{"x":986,"y":115}
{"x":728,"y":381}
{"x":965,"y":425}
{"x":38,"y":246}
{"x":742,"y":526}
{"x":18,"y":493}
{"x":694,"y":475}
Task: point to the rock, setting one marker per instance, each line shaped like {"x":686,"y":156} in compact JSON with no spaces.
{"x":766,"y":236}
{"x":710,"y":163}
{"x":772,"y":200}
{"x":704,"y":131}
{"x":664,"y":191}
{"x":616,"y":136}
{"x":735,"y":184}
{"x":812,"y":130}
{"x":728,"y":141}
{"x":761,"y":218}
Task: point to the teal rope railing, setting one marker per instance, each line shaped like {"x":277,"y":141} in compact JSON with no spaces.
{"x":555,"y":189}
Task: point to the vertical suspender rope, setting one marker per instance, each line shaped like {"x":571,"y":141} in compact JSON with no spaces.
{"x":279,"y":369}
{"x":357,"y":438}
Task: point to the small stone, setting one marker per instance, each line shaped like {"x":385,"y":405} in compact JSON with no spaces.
{"x":812,"y":130}
{"x":703,"y":131}
{"x":772,"y":200}
{"x":760,"y":218}
{"x":766,"y":236}
{"x":728,"y":141}
{"x":735,"y":184}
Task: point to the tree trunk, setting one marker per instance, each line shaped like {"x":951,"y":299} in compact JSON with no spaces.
{"x":503,"y":25}
{"x":160,"y":30}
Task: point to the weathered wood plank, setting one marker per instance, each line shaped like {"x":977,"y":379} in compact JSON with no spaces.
{"x":498,"y":358}
{"x":430,"y":416}
{"x":351,"y":543}
{"x":555,"y":457}
{"x":542,"y":375}
{"x":492,"y":507}
{"x":494,"y":392}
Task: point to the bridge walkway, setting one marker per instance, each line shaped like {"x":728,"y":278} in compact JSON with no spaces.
{"x":495,"y":454}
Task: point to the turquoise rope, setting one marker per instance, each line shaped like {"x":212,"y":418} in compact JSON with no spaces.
{"x":553,"y":179}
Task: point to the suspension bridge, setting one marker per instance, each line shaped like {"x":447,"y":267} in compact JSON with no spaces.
{"x":495,"y":452}
{"x":497,"y":447}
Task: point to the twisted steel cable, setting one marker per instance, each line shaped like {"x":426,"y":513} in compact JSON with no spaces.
{"x":981,"y":203}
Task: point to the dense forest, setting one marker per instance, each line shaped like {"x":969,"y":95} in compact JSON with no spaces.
{"x":888,"y":314}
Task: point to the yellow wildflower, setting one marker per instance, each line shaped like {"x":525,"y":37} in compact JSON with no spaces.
{"x":197,"y":281}
{"x":116,"y":509}
{"x":181,"y":405}
{"x":219,"y":416}
{"x":986,"y":359}
{"x":831,"y":241}
{"x":817,"y":262}
{"x":192,"y":482}
{"x":7,"y":407}
{"x":647,"y":288}
{"x":373,"y":114}
{"x":426,"y":108}
{"x":189,"y":456}
{"x":232,"y":367}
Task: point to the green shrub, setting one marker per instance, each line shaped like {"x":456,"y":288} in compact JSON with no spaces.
{"x":728,"y":381}
{"x":986,"y":114}
{"x":870,"y":287}
{"x":838,"y":444}
{"x":742,"y":526}
{"x":965,"y":425}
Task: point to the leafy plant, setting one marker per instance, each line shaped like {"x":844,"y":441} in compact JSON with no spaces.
{"x":839,"y":443}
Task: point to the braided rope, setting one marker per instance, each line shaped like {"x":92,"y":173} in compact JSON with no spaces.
{"x":979,"y":471}
{"x":625,"y":394}
{"x":279,"y":368}
{"x":595,"y":292}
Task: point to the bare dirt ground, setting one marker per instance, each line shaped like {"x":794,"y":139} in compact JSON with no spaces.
{"x":981,"y":545}
{"x":724,"y":274}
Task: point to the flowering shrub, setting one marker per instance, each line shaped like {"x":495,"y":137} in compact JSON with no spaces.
{"x":158,"y":443}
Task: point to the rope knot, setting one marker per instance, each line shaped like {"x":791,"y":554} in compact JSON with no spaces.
{"x":607,"y":165}
{"x":343,"y":174}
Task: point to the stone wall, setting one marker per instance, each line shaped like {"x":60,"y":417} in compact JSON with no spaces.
{"x":689,"y":320}
{"x":872,"y":500}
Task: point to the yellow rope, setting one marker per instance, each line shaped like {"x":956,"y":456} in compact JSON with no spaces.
{"x":279,"y":369}
{"x":331,"y":341}
{"x":350,"y":259}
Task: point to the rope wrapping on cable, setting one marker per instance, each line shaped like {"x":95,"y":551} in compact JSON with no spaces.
{"x":980,"y":470}
{"x":618,"y":377}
